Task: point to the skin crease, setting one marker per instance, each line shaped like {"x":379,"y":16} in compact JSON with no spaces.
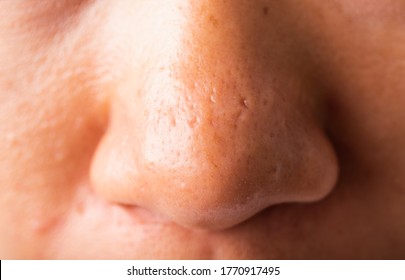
{"x":202,"y":129}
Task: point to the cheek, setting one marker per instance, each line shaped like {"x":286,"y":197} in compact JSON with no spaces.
{"x":52,"y":117}
{"x":45,"y":155}
{"x":387,"y":11}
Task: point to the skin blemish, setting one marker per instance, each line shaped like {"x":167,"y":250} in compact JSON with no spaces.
{"x":265,"y":11}
{"x":213,"y":20}
{"x":193,"y":121}
{"x":213,"y":96}
{"x":244,"y":102}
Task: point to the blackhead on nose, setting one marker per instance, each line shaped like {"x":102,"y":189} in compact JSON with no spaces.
{"x":212,"y":124}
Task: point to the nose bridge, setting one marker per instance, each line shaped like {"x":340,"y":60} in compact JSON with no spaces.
{"x":215,"y":38}
{"x":200,"y":33}
{"x":200,"y":84}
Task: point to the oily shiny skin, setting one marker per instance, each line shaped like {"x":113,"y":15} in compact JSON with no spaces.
{"x":202,"y":129}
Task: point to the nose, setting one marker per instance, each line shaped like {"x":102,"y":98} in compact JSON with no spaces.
{"x":210,"y":123}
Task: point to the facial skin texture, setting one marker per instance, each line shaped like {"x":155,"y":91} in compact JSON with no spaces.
{"x":202,"y":129}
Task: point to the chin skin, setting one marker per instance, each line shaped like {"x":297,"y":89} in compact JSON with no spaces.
{"x":209,"y":130}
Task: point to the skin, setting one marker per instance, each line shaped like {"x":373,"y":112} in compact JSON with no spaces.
{"x":202,"y":129}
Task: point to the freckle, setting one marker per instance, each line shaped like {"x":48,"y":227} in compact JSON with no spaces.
{"x":265,"y":10}
{"x":213,"y":20}
{"x":173,"y":121}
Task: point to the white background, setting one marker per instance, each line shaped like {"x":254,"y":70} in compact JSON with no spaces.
{"x":116,"y":270}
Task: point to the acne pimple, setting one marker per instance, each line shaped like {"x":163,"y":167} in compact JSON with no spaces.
{"x":244,"y":102}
